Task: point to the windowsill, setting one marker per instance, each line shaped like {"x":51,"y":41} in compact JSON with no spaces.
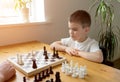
{"x":23,"y":24}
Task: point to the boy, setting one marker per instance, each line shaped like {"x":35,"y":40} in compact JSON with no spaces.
{"x":79,"y":44}
{"x":6,"y":71}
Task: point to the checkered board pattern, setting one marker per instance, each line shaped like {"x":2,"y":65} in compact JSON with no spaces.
{"x":41,"y":62}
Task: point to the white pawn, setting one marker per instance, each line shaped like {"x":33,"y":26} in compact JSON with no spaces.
{"x":81,"y":74}
{"x":63,"y":67}
{"x":71,"y":63}
{"x":85,"y":70}
{"x":74,"y":74}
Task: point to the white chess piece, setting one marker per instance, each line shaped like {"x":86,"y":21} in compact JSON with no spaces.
{"x":75,"y":71}
{"x":63,"y":67}
{"x":82,"y":72}
{"x":19,"y":59}
{"x":85,"y":70}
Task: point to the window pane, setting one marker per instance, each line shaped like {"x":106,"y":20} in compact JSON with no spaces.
{"x":7,"y":8}
{"x":38,"y":10}
{"x":9,"y":15}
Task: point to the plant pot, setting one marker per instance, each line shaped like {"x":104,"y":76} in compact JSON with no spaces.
{"x":25,"y":14}
{"x":109,"y":63}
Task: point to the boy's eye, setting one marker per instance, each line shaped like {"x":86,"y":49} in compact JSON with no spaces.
{"x":73,"y":29}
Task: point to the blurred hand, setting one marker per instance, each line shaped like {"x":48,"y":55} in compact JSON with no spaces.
{"x":6,"y":71}
{"x":71,"y":51}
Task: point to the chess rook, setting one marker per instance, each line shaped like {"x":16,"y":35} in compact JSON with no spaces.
{"x":19,"y":59}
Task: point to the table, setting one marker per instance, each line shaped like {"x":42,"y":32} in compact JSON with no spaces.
{"x":96,"y":72}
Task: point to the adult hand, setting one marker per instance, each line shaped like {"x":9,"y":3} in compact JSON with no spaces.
{"x":6,"y":71}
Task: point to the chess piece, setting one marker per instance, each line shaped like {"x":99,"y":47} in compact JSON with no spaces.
{"x":48,"y":81}
{"x":24,"y":79}
{"x":54,"y":55}
{"x":19,"y":59}
{"x":51,"y":72}
{"x":44,"y":48}
{"x":35,"y":78}
{"x":43,"y":75}
{"x":47,"y":74}
{"x":57,"y":55}
{"x":51,"y":80}
{"x":57,"y":77}
{"x":40,"y":78}
{"x":45,"y":51}
{"x":34,"y":66}
{"x":45,"y":54}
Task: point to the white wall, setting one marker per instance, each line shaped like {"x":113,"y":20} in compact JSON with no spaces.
{"x":57,"y":12}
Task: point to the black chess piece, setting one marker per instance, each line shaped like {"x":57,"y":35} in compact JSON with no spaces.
{"x":47,"y":81}
{"x":43,"y":75}
{"x":34,"y":66}
{"x":24,"y":79}
{"x":40,"y":78}
{"x":47,"y":73}
{"x":44,"y":48}
{"x":45,"y":51}
{"x":57,"y":55}
{"x":54,"y":55}
{"x":51,"y":71}
{"x":35,"y":78}
{"x":57,"y":77}
{"x":46,"y":56}
{"x":51,"y":80}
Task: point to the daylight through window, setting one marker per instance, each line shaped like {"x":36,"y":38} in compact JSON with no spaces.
{"x":9,"y":15}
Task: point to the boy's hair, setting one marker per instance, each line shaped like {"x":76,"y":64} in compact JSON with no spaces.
{"x":82,"y":17}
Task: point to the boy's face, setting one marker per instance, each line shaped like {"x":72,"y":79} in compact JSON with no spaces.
{"x":77,"y":32}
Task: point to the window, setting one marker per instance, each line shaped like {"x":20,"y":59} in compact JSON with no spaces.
{"x":8,"y":14}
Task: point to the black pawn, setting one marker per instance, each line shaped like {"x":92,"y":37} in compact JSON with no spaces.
{"x":34,"y":64}
{"x":51,"y":71}
{"x":43,"y":75}
{"x":57,"y":55}
{"x":48,"y":81}
{"x":35,"y":78}
{"x":40,"y":78}
{"x":51,"y":80}
{"x":24,"y":79}
{"x":47,"y":74}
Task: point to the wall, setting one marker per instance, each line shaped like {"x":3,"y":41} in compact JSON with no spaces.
{"x":57,"y":13}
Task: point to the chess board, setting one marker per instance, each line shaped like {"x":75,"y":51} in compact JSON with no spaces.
{"x":41,"y":62}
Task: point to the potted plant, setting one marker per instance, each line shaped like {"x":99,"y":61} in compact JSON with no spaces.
{"x":108,"y":36}
{"x":23,"y":7}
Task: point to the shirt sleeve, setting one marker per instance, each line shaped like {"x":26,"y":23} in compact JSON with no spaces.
{"x":65,"y":41}
{"x":94,"y":46}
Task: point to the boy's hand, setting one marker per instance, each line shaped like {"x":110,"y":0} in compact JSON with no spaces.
{"x":71,"y":51}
